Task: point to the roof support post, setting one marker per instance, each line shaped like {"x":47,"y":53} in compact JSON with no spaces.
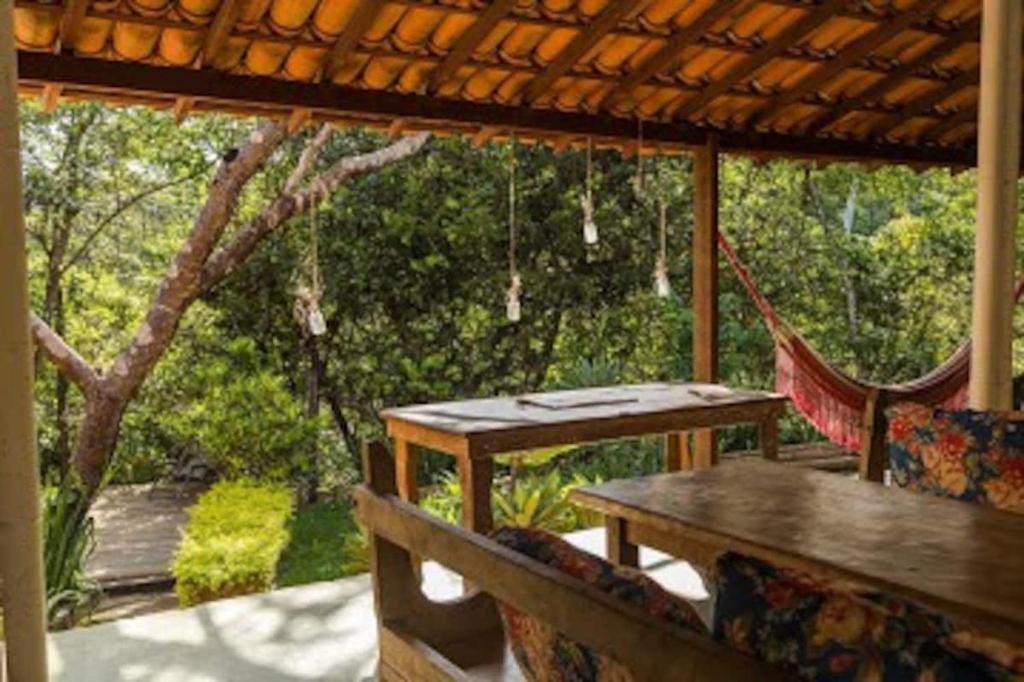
{"x":998,"y":161}
{"x":705,"y":285}
{"x":21,"y":564}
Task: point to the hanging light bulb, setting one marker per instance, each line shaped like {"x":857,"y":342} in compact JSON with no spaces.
{"x":662,"y":287}
{"x":590,"y":234}
{"x":513,"y":306}
{"x":316,"y":322}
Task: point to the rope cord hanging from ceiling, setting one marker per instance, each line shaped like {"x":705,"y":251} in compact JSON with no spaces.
{"x":308,"y":295}
{"x":513,"y":306}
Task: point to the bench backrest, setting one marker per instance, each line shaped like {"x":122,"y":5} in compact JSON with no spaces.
{"x":423,"y":633}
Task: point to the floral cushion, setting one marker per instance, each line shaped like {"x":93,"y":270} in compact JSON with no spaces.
{"x":545,"y":655}
{"x":967,"y":455}
{"x":820,"y":631}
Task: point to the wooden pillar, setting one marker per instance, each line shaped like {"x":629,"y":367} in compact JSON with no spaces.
{"x":998,"y":164}
{"x":705,"y":286}
{"x":21,"y":565}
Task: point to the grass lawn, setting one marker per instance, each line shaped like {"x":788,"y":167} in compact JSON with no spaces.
{"x":317,"y":550}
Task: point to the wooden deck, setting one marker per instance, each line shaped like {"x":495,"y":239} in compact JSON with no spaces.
{"x":138,"y":528}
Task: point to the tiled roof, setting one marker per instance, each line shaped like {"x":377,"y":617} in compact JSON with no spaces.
{"x":881,"y":73}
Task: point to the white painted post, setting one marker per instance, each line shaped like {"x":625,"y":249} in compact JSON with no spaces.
{"x":21,"y":564}
{"x":998,"y":167}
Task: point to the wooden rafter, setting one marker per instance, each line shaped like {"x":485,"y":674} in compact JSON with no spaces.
{"x":584,"y":41}
{"x":220,"y":29}
{"x":298,"y":119}
{"x":680,"y":40}
{"x":51,"y":97}
{"x":467,"y":43}
{"x":135,"y":82}
{"x":71,"y":22}
{"x":850,"y":56}
{"x":358,"y":24}
{"x":925,"y":103}
{"x":182,"y":108}
{"x":798,"y":29}
{"x":485,"y":135}
{"x":899,"y":75}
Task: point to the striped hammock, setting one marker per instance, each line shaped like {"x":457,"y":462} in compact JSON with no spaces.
{"x":833,"y":401}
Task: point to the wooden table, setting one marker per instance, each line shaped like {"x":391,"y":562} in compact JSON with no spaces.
{"x":474,"y":431}
{"x":964,"y":560}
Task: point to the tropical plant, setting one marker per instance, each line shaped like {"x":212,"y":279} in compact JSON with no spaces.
{"x":69,"y":540}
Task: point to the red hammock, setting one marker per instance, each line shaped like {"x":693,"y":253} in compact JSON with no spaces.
{"x":830,"y":399}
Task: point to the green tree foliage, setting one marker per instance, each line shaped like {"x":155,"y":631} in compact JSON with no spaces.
{"x":415,"y":266}
{"x":244,"y":420}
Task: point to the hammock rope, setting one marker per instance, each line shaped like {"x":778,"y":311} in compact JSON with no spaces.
{"x":833,"y":401}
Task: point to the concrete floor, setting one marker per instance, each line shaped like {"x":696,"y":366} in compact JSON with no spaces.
{"x":316,"y":632}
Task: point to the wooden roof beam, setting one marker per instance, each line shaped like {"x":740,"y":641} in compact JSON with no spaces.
{"x":220,"y":29}
{"x":679,"y":41}
{"x":848,"y":57}
{"x":791,"y":34}
{"x":359,"y":23}
{"x":71,"y":22}
{"x":469,"y":41}
{"x":298,"y":119}
{"x":924,"y":104}
{"x":582,"y":43}
{"x":899,"y":75}
{"x":269,"y":96}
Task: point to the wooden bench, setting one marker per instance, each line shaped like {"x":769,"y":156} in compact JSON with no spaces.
{"x":423,"y":640}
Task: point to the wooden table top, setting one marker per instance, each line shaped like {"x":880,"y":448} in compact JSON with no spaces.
{"x":566,"y":407}
{"x":965,"y":560}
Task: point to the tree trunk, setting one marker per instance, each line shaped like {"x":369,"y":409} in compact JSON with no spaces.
{"x":97,"y":435}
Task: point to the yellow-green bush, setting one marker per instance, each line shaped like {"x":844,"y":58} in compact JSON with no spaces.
{"x":235,"y":535}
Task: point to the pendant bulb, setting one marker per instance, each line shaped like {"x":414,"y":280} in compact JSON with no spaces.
{"x":662,"y":286}
{"x":590,"y":233}
{"x":513,"y":306}
{"x":317,"y":323}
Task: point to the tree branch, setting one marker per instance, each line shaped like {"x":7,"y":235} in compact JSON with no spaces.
{"x":287,"y":205}
{"x":62,"y":356}
{"x":179,"y":286}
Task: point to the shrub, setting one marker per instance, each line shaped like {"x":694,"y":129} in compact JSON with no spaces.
{"x":245,"y":420}
{"x":235,"y":535}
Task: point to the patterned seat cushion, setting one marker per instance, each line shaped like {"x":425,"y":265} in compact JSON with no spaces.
{"x":821,"y":631}
{"x":545,"y":655}
{"x":966,"y":455}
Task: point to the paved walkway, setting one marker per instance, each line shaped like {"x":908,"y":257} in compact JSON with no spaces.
{"x":318,"y":632}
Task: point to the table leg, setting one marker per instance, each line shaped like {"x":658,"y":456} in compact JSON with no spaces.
{"x":769,"y":437}
{"x":705,"y":449}
{"x":621,"y":552}
{"x":476,"y":477}
{"x":407,"y":466}
{"x":678,"y":456}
